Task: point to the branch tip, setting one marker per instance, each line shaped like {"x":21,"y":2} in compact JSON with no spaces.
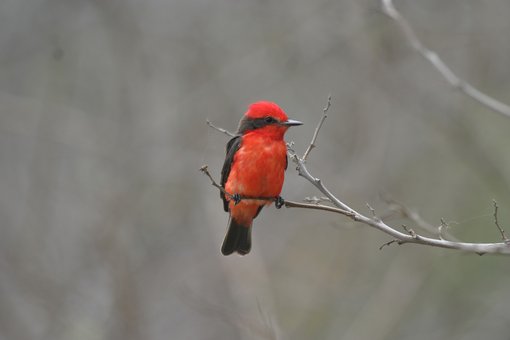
{"x":317,"y":129}
{"x":442,"y":226}
{"x":372,"y":210}
{"x":328,"y":105}
{"x":226,"y":132}
{"x":496,"y":222}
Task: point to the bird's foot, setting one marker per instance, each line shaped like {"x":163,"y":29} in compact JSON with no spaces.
{"x":279,"y":202}
{"x":236,"y":198}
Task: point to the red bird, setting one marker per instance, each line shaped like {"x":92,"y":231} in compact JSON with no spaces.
{"x":254,"y":167}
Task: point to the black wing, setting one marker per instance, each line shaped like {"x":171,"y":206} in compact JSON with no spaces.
{"x":232,"y":147}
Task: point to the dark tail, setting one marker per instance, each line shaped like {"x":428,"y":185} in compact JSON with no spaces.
{"x":238,"y":239}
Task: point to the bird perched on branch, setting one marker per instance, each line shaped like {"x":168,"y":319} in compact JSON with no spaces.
{"x":253,"y":172}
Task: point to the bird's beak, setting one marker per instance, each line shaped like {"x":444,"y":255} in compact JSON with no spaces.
{"x":292,"y":122}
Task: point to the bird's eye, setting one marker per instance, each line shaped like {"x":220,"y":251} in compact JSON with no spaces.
{"x":269,"y":119}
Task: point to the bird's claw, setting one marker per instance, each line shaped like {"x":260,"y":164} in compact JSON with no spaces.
{"x":236,"y":198}
{"x":279,"y":202}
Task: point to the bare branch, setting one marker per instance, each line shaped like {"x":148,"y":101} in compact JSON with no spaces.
{"x":228,"y":133}
{"x":292,"y":204}
{"x":342,"y":208}
{"x":404,"y":211}
{"x":315,"y":199}
{"x":496,"y":222}
{"x":434,"y":59}
{"x":205,"y":170}
{"x":317,"y":129}
{"x":410,"y":237}
{"x":303,"y":171}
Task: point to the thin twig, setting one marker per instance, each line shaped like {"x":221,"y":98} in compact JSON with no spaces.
{"x":228,"y":133}
{"x":389,"y":243}
{"x":372,"y":210}
{"x":442,"y":227}
{"x":317,"y":129}
{"x":205,"y":170}
{"x":434,"y":59}
{"x":496,"y":222}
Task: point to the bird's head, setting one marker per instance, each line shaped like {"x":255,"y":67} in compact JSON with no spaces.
{"x":266,"y":118}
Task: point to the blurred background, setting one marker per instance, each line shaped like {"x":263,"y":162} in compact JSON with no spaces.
{"x":109,"y":231}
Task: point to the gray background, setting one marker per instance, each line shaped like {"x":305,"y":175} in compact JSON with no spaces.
{"x":109,"y":231}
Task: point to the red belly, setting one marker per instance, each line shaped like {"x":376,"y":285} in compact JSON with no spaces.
{"x":257,"y":171}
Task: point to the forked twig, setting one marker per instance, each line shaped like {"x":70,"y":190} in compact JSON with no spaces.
{"x":496,"y":222}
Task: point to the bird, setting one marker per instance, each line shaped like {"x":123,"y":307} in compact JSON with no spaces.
{"x":255,"y":164}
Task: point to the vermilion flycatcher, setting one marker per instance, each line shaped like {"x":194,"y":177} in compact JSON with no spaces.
{"x":254,"y":167}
